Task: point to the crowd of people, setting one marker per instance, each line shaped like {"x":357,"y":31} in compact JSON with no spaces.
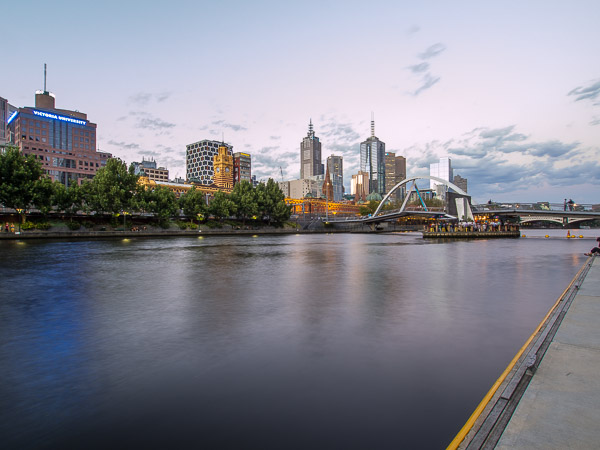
{"x":481,"y":227}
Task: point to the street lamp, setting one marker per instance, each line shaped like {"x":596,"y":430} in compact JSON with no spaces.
{"x":19,"y":211}
{"x":124,"y":215}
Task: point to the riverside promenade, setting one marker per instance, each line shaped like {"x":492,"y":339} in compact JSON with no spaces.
{"x":549,"y":396}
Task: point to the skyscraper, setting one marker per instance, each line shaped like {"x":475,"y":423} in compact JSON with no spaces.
{"x":395,"y":172}
{"x":310,"y":155}
{"x":441,"y":169}
{"x":372,"y":161}
{"x":199,"y":160}
{"x":335,"y":165}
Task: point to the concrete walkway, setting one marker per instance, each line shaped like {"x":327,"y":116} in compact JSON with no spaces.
{"x":560,"y":409}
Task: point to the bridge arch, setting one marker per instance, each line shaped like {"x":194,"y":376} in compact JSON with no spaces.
{"x":414,"y":179}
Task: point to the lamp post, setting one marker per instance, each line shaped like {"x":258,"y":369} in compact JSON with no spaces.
{"x":19,"y":211}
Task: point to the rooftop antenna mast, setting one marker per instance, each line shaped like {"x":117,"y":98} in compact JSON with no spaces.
{"x":372,"y":124}
{"x":45,"y":78}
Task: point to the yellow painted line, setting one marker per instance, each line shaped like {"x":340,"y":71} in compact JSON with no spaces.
{"x":467,"y":427}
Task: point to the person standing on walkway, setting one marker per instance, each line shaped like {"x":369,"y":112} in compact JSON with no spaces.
{"x":596,"y":250}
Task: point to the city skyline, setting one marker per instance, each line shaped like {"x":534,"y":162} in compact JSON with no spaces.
{"x":509,"y":92}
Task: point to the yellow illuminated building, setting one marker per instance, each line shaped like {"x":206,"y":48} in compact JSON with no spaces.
{"x":321,"y":207}
{"x":223,"y":163}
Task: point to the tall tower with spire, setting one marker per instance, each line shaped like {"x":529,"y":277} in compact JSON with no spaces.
{"x":372,"y":160}
{"x":310,"y":154}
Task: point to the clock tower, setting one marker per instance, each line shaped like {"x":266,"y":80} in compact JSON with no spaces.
{"x":223,"y":163}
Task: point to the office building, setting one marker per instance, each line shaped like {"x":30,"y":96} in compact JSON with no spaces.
{"x":441,"y":169}
{"x":6,"y":111}
{"x":460,"y":182}
{"x":395,"y":172}
{"x":148,"y":169}
{"x":359,"y":186}
{"x":242,"y":167}
{"x":64,"y":141}
{"x":310,"y":155}
{"x":199,"y":160}
{"x":335,"y":165}
{"x":372,"y":161}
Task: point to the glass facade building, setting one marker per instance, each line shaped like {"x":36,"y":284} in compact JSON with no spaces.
{"x":335,"y":165}
{"x":63,"y":141}
{"x":372,"y":161}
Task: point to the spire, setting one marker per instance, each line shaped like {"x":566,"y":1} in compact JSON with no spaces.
{"x":45,"y":78}
{"x":372,"y":124}
{"x":311,"y":132}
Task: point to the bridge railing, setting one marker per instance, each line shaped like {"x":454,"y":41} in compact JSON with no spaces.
{"x":537,"y":206}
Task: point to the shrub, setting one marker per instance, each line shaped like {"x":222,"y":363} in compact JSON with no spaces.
{"x":73,"y":226}
{"x":27,"y":226}
{"x":42,"y":226}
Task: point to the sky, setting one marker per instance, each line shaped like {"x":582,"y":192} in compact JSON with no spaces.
{"x":510,"y":91}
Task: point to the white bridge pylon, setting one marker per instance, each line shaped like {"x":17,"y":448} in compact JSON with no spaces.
{"x":414,"y":179}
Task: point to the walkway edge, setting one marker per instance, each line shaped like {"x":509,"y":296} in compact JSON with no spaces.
{"x":488,"y":414}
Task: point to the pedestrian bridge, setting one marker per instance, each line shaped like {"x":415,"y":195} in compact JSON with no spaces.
{"x":541,"y":211}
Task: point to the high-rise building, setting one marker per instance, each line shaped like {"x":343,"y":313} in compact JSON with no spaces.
{"x":395,"y":172}
{"x":359,"y":186}
{"x":4,"y":115}
{"x":242,"y":166}
{"x":199,"y":160}
{"x":372,"y":161}
{"x":64,"y":141}
{"x":335,"y":165}
{"x":441,"y":169}
{"x":149,"y":169}
{"x":460,"y":182}
{"x":223,"y":165}
{"x":310,"y":155}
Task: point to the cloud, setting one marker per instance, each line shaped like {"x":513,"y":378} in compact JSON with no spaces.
{"x":147,"y":121}
{"x":422,"y":69}
{"x":122,"y":144}
{"x":590,"y":92}
{"x":144,"y":98}
{"x":433,"y":51}
{"x":419,"y":68}
{"x":413,"y":30}
{"x":274,"y":138}
{"x":224,"y":124}
{"x":428,"y":81}
{"x":502,"y":160}
{"x":595,"y":121}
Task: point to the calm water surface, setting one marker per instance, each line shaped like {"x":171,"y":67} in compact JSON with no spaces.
{"x":322,"y":341}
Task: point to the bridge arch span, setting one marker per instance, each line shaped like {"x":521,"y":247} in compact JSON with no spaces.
{"x":414,"y":179}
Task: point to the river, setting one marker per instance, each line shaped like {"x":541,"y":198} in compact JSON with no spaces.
{"x":295,"y":341}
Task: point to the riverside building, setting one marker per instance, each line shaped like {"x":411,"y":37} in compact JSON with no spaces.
{"x":199,"y":160}
{"x":149,"y":169}
{"x":242,"y":167}
{"x":372,"y":161}
{"x":310,"y":155}
{"x":64,"y":141}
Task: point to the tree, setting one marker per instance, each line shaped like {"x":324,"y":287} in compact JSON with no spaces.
{"x":192,"y":203}
{"x":43,"y":194}
{"x":18,"y":177}
{"x":368,"y":208}
{"x":162,"y":202}
{"x":112,"y":188}
{"x":244,"y":197}
{"x":268,"y":197}
{"x":68,"y":199}
{"x":221,"y":206}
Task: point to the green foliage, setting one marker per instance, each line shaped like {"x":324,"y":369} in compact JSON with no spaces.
{"x":161,"y":201}
{"x":187,"y":225}
{"x":27,"y":226}
{"x":69,"y":200}
{"x":368,"y":208}
{"x":73,"y":226}
{"x":245,"y":199}
{"x":18,"y":177}
{"x":43,"y":195}
{"x":221,"y":206}
{"x":193,"y":203}
{"x":112,"y":189}
{"x":271,"y":203}
{"x":42,"y":226}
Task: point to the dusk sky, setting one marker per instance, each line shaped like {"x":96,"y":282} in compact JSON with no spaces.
{"x":510,"y":90}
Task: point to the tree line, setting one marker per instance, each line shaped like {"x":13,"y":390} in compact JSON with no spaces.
{"x":115,"y":190}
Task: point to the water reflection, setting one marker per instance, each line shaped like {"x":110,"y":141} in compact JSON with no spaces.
{"x":354,"y":341}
